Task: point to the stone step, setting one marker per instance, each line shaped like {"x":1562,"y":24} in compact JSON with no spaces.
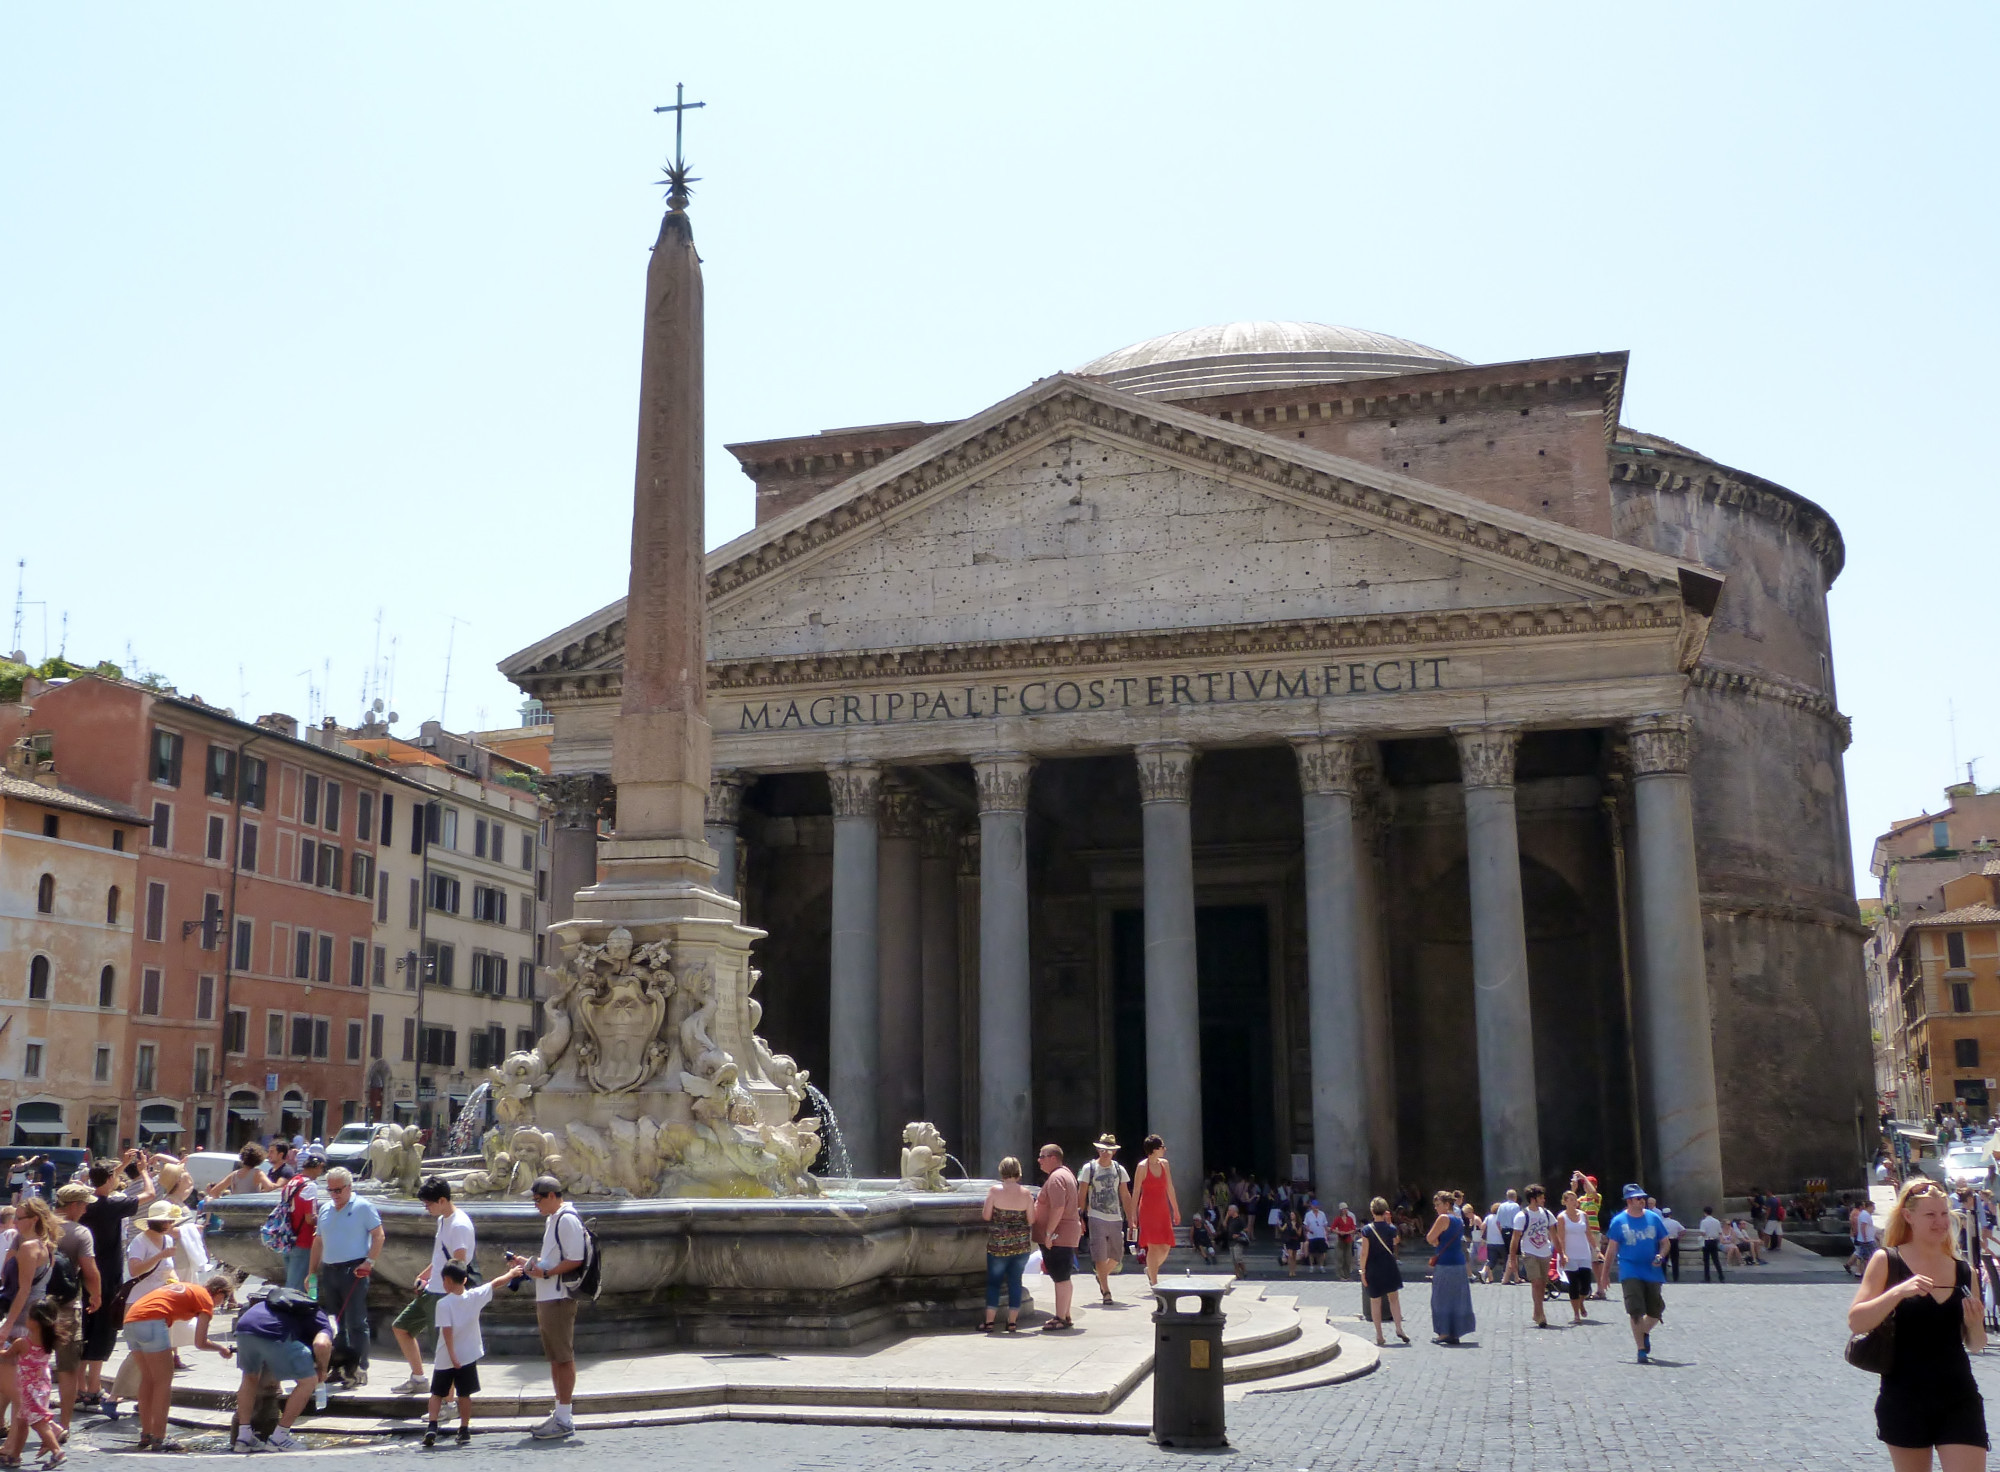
{"x":1315,"y":1342}
{"x":1356,"y":1357}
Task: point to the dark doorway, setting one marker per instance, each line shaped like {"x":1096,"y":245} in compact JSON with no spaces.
{"x":1233,"y":963}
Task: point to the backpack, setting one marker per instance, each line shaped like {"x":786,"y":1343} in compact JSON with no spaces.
{"x":65,"y":1278}
{"x":287,"y":1300}
{"x":279,"y":1232}
{"x":586,"y":1280}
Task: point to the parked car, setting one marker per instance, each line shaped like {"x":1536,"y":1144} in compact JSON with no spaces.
{"x":350,"y":1148}
{"x":206,"y":1167}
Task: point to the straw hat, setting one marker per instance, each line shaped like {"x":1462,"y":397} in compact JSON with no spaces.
{"x":162,"y":1214}
{"x":1107,"y":1141}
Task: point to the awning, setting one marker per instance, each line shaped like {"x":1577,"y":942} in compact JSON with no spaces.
{"x":405,"y":1106}
{"x":148,"y":1127}
{"x":40,"y":1127}
{"x":250,"y":1116}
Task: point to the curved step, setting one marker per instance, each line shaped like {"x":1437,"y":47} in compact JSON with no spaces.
{"x":1356,"y":1357}
{"x":1313,"y":1345}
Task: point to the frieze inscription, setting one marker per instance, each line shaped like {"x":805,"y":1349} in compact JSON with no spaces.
{"x":1064,"y":697}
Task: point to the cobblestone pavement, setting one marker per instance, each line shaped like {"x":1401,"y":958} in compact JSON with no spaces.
{"x":1746,"y":1375}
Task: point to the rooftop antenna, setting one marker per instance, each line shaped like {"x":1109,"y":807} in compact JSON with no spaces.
{"x":62,"y":649}
{"x":444,"y":697}
{"x":20,"y":588}
{"x":1951,"y":720}
{"x":373,"y":674}
{"x":242,"y":691}
{"x":392,"y":679}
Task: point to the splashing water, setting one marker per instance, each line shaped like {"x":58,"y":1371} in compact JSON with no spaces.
{"x":471,"y":1122}
{"x":839,"y":1165}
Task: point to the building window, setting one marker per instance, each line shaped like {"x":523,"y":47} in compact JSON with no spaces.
{"x":218,"y":836}
{"x":309,"y":812}
{"x":1954,"y":949}
{"x":440,"y":1047}
{"x":167,"y":758}
{"x":211,"y":921}
{"x":308,"y":858}
{"x":388,"y":819}
{"x":107,"y":987}
{"x":221,"y":772}
{"x":156,"y":911}
{"x":274,"y":1034}
{"x":416,"y":903}
{"x":149,"y":992}
{"x":444,"y":894}
{"x":354,"y":1042}
{"x":364,"y":817}
{"x":31,"y":1061}
{"x":489,"y":904}
{"x":381,"y":969}
{"x":142,"y":1073}
{"x":1940,"y":835}
{"x":45,"y":895}
{"x":325,"y":972}
{"x":236,"y":1031}
{"x":118,"y":840}
{"x":251,"y":788}
{"x":333,"y":807}
{"x":527,"y":912}
{"x":244,"y":935}
{"x":100,"y":1064}
{"x":329,"y":867}
{"x":246,"y":848}
{"x":409,"y":970}
{"x":448,"y":827}
{"x":528,"y":849}
{"x":541,"y":884}
{"x":38,"y":979}
{"x":302,"y":1036}
{"x":438,"y":959}
{"x":302,"y":955}
{"x":204,"y":998}
{"x":409,"y":1039}
{"x":201,"y":1070}
{"x":1965,"y":1052}
{"x":478,"y":841}
{"x":51,"y":826}
{"x":357,"y":963}
{"x":1961,"y":996}
{"x":375,"y":1036}
{"x":382,"y":899}
{"x":361,"y":875}
{"x":489,"y":974}
{"x":111,"y":905}
{"x":526,"y":973}
{"x":524,"y":1039}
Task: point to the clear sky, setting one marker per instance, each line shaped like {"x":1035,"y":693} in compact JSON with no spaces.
{"x":319,"y":321}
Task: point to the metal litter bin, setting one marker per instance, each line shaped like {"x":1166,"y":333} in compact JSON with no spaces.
{"x":1187,"y":1362}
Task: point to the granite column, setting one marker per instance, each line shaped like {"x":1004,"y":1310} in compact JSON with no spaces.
{"x":1173,"y":992}
{"x":1006,"y":1054}
{"x":853,"y":1012}
{"x":899,"y":938}
{"x":1334,"y":957}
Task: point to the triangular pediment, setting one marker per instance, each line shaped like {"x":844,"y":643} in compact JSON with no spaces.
{"x":1074,"y":509}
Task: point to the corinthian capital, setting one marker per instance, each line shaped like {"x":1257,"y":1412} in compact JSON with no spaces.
{"x":724,"y":806}
{"x":1486,"y":754}
{"x":581,"y":798}
{"x":855,"y":786}
{"x":1326,"y":763}
{"x":1003,"y":781}
{"x":902,"y":811}
{"x":1657,"y":743}
{"x":1166,"y":771}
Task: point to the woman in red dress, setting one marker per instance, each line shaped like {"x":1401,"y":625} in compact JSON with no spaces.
{"x":1156,"y":1210}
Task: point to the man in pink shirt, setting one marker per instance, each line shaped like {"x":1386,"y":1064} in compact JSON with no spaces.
{"x":1057,"y":1228}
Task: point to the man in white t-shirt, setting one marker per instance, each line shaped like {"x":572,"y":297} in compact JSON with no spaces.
{"x":1861,"y":1232}
{"x":1536,"y":1244}
{"x":454,"y":1240}
{"x":563,"y":1247}
{"x":1106,"y":1187}
{"x":1710,"y":1228}
{"x":1675,"y":1231}
{"x":1316,"y":1228}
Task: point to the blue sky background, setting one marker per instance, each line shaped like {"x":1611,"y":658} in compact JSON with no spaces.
{"x":310,"y":313}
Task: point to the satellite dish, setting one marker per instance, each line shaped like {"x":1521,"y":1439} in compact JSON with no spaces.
{"x":393,"y":718}
{"x":377,"y":706}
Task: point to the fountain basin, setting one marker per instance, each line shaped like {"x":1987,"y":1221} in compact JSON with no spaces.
{"x":808,"y":1271}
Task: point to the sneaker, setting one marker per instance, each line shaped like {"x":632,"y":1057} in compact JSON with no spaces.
{"x":464,"y":1435}
{"x":430,"y":1436}
{"x":282,"y":1440}
{"x":415,"y":1385}
{"x":246,"y":1441}
{"x":108,"y":1407}
{"x":1642,"y":1356}
{"x":551,"y":1430}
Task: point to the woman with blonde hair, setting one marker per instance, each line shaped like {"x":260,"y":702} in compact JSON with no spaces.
{"x":1929,"y":1401}
{"x":1381,"y":1278}
{"x":1008,"y":1242}
{"x":24,"y":1281}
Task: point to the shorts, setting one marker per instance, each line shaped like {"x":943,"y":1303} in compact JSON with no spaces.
{"x":1644,"y":1299}
{"x":464,"y":1379}
{"x":282,"y":1359}
{"x":69,"y":1323}
{"x":1946,"y":1416}
{"x":556,"y":1318}
{"x":1059,"y":1263}
{"x":1579,"y":1283}
{"x":419,"y":1315}
{"x":100,"y":1332}
{"x":149,"y":1336}
{"x":1316,"y":1248}
{"x":1107,"y":1241}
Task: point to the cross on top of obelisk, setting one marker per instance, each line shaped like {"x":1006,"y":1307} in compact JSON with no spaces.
{"x":678,"y":178}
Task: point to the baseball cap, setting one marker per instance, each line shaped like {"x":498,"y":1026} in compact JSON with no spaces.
{"x":312,"y":1155}
{"x":1632,"y":1189}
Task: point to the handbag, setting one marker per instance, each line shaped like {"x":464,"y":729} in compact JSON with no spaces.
{"x":1875,"y":1351}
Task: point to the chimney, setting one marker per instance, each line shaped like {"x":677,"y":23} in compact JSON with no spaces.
{"x":281,"y":724}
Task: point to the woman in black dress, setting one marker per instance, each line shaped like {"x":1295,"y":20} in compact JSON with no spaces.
{"x":1380,"y":1276}
{"x":1929,"y":1400}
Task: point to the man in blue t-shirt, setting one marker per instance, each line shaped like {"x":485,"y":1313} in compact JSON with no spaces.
{"x":1641,"y":1235}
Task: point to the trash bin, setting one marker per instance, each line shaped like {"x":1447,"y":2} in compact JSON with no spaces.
{"x":1187,"y":1362}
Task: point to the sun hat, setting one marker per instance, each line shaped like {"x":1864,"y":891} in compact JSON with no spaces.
{"x":1107,"y":1141}
{"x":1632,"y":1189}
{"x":163,"y":1213}
{"x":74,"y":1192}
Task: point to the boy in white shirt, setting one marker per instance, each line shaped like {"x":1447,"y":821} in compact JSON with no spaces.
{"x":459,"y":1345}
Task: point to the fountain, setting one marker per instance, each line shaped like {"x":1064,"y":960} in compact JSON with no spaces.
{"x":651,"y":1096}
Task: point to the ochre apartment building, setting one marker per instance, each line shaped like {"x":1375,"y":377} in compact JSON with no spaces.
{"x":1949,"y":969}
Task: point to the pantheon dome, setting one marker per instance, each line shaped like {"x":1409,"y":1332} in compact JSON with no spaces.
{"x":1238,"y":357}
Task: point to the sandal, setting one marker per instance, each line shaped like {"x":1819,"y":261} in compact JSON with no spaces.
{"x":987,"y":1326}
{"x":1014,"y":1328}
{"x":1107,"y":1298}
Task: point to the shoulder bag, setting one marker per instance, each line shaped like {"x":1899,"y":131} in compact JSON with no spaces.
{"x":1875,"y":1351}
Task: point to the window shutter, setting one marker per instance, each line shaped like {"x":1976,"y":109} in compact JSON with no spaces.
{"x":388,"y":819}
{"x":174,"y":763}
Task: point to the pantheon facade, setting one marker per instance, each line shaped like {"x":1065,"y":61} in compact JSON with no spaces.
{"x":1353,"y":763}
